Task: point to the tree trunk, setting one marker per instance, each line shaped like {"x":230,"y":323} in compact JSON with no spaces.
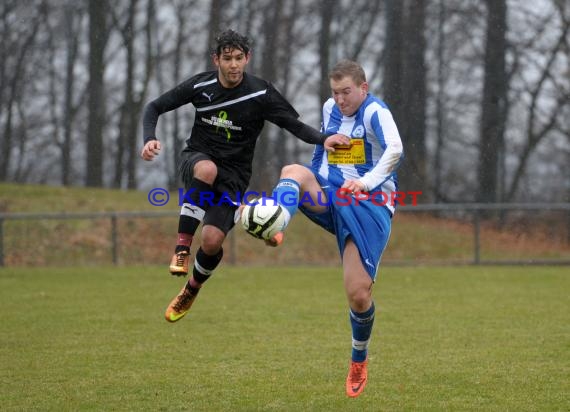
{"x":393,"y":89}
{"x":71,"y":44}
{"x":413,"y":176}
{"x":438,"y":192}
{"x":13,"y":95}
{"x":494,"y":101}
{"x":327,"y":14}
{"x":96,"y":104}
{"x":405,"y":85}
{"x":131,"y":112}
{"x":216,"y":9}
{"x":262,"y":178}
{"x":177,"y":139}
{"x":285,"y":156}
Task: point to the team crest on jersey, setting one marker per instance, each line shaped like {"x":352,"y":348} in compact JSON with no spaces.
{"x":358,"y":131}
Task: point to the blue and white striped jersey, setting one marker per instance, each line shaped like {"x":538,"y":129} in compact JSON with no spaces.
{"x":375,"y":151}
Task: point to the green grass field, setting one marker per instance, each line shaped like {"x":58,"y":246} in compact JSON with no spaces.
{"x":458,"y":339}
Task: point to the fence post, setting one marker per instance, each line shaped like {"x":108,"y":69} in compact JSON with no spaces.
{"x":476,"y":240}
{"x":1,"y":242}
{"x":114,"y":239}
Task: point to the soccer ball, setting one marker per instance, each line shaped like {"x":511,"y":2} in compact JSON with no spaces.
{"x":264,"y":219}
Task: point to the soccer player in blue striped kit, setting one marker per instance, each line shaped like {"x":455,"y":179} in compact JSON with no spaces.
{"x":333,"y":193}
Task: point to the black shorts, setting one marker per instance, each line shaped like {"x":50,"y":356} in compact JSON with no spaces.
{"x":220,"y":214}
{"x":231,"y":179}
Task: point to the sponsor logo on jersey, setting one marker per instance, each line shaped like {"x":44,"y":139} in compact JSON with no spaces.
{"x":221,"y":122}
{"x":358,"y":131}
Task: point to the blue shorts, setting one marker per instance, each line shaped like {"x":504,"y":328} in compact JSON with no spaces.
{"x":367,"y":224}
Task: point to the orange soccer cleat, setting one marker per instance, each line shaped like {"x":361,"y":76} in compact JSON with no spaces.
{"x":180,"y":305}
{"x":356,"y":379}
{"x":179,"y":263}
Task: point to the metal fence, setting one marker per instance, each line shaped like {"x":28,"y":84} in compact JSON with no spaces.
{"x":113,"y":218}
{"x":475,"y":215}
{"x":497,"y":213}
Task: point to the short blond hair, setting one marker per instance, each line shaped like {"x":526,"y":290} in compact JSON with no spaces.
{"x":348,"y":68}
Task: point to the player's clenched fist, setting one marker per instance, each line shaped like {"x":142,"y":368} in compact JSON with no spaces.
{"x":150,"y":149}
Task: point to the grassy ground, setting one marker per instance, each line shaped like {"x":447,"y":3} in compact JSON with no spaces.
{"x":461,"y":339}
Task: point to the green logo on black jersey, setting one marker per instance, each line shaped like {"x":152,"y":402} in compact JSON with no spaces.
{"x":223,"y":117}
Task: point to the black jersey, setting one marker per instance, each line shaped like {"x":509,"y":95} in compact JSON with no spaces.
{"x":229,"y":121}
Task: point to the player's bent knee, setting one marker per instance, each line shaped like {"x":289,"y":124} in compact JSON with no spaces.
{"x":360,"y":299}
{"x":212,"y":239}
{"x":211,"y":246}
{"x":293,"y":171}
{"x":206,"y":170}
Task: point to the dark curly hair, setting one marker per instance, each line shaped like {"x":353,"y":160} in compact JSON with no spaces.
{"x":233,"y":40}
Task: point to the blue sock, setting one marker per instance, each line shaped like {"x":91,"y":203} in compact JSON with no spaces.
{"x":287,"y":195}
{"x":361,"y":330}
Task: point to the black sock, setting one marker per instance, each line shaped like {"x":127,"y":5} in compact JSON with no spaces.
{"x":205,"y":264}
{"x":181,"y":248}
{"x":192,"y":213}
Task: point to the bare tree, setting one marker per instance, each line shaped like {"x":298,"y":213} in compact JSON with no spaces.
{"x":264,"y":172}
{"x":393,"y":60}
{"x":440,"y":105}
{"x":284,"y":62}
{"x":181,"y":38}
{"x":97,"y":42}
{"x":327,"y":13}
{"x":414,"y":89}
{"x":215,"y":20}
{"x":544,"y":119}
{"x":404,"y":84}
{"x":466,"y":119}
{"x":494,"y":103}
{"x":15,"y":54}
{"x":356,"y":20}
{"x":126,"y":127}
{"x":63,"y":91}
{"x":130,"y":109}
{"x":72,"y":16}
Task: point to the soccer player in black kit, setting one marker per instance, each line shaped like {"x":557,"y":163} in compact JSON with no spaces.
{"x":231,"y":109}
